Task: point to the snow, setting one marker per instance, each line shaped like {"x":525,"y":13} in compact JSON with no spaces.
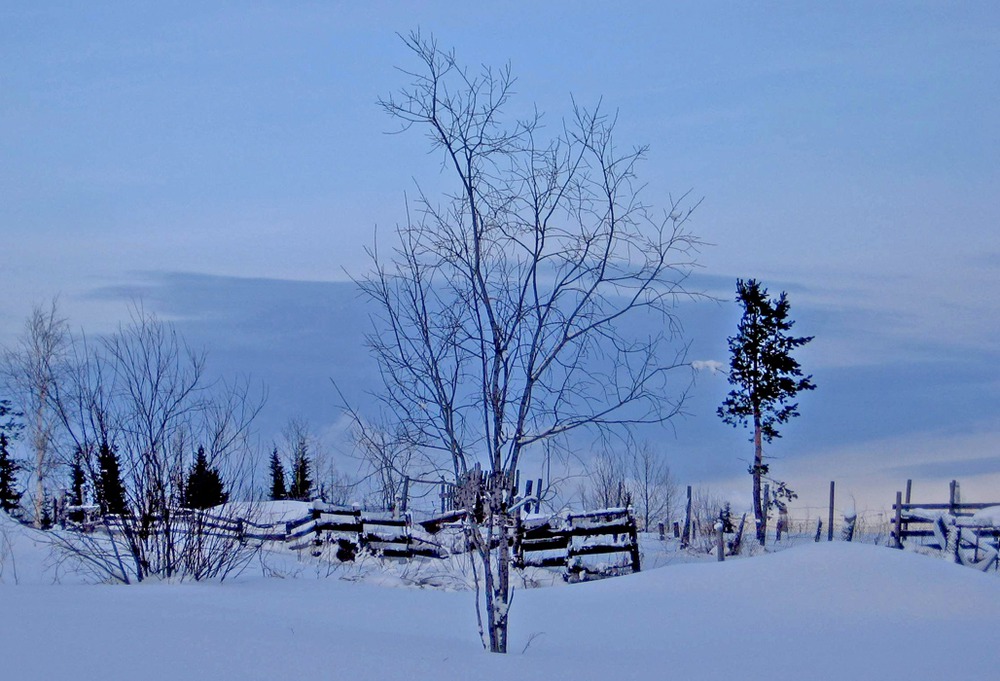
{"x":988,"y":516}
{"x":827,"y":611}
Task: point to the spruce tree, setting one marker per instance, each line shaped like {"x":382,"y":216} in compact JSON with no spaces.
{"x":204,"y":488}
{"x":109,"y":487}
{"x":278,"y":491}
{"x":77,"y":483}
{"x":765,"y":377}
{"x":10,"y":497}
{"x":301,"y":488}
{"x":48,"y":517}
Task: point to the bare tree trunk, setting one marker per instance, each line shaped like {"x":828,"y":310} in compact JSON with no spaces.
{"x":501,"y":607}
{"x":41,"y":453}
{"x":492,"y":538}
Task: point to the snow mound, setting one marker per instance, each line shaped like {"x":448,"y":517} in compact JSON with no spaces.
{"x":26,"y":556}
{"x":818,"y":612}
{"x":988,"y":516}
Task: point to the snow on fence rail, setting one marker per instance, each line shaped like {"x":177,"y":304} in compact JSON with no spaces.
{"x":969,"y":532}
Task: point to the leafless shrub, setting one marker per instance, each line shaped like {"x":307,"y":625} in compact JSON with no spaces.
{"x":139,"y":400}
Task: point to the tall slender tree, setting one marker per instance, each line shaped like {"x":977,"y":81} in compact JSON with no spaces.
{"x":765,"y":379}
{"x":77,"y":485}
{"x":33,"y":370}
{"x":278,"y":490}
{"x":301,"y":487}
{"x":110,"y":490}
{"x":10,"y":496}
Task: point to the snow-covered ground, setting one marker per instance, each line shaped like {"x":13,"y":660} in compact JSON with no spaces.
{"x":814,"y":612}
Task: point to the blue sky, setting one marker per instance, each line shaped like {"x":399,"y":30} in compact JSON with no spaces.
{"x":227,"y":162}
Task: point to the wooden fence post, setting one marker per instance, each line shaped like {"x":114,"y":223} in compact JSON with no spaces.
{"x":909,"y":488}
{"x":819,"y":529}
{"x":829,"y":529}
{"x":686,"y":538}
{"x":767,"y":511}
{"x":899,"y":520}
{"x":720,"y":540}
{"x":738,"y":539}
{"x":633,"y":535}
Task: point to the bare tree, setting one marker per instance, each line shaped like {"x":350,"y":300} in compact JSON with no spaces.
{"x":505,"y":307}
{"x":386,"y":459}
{"x":389,"y":461}
{"x":141,"y":399}
{"x":606,"y":484}
{"x":32,"y":370}
{"x":632,"y":475}
{"x":654,"y":488}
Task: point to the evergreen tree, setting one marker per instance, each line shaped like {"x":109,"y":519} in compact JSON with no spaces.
{"x":10,"y":497}
{"x":109,"y":487}
{"x":301,"y":488}
{"x":726,"y":518}
{"x":765,"y":377}
{"x":278,"y":491}
{"x":77,"y":483}
{"x":204,"y":487}
{"x":48,"y":517}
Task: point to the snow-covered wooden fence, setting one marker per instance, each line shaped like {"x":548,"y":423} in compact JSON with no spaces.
{"x":583,"y":545}
{"x":580,"y":543}
{"x":969,"y":532}
{"x":353,"y":530}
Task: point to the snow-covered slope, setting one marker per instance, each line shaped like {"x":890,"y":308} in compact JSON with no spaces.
{"x":815,"y":612}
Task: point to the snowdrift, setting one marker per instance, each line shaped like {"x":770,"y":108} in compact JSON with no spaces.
{"x":817,"y":612}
